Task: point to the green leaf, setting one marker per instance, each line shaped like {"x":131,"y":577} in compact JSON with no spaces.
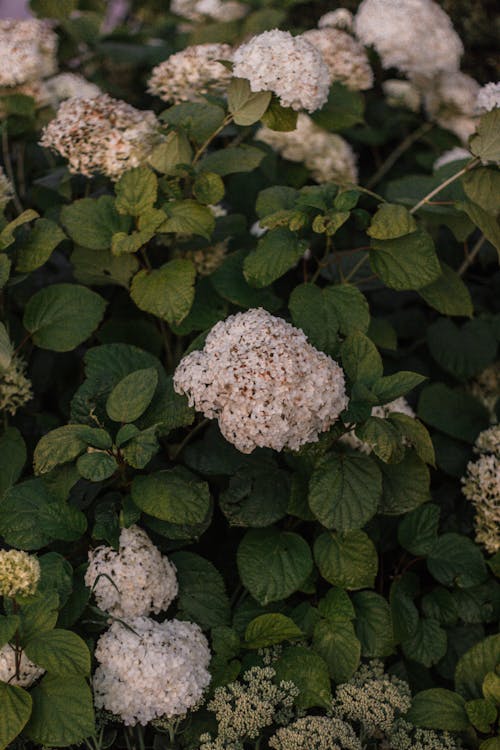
{"x":339,"y":647}
{"x":93,"y":222}
{"x":208,"y":188}
{"x":418,"y":530}
{"x":5,"y":267}
{"x":139,"y":451}
{"x":66,"y":443}
{"x":38,"y":615}
{"x":439,"y":604}
{"x":96,"y":466}
{"x":345,"y":490}
{"x":41,"y":241}
{"x":232,"y":159}
{"x":101,"y":268}
{"x":130,"y":398}
{"x":273,"y":564}
{"x":336,"y":606}
{"x":246,"y":106}
{"x":481,"y":713}
{"x":7,"y":233}
{"x":172,"y":496}
{"x":488,"y":224}
{"x":491,"y":687}
{"x":202,"y":594}
{"x":6,"y":348}
{"x":405,"y":617}
{"x":136,"y":191}
{"x":257,"y":496}
{"x":416,"y":434}
{"x":12,"y":458}
{"x":343,"y":109}
{"x":270,"y":629}
{"x":279,"y":118}
{"x":448,"y":294}
{"x":482,"y":186}
{"x":188,"y":217}
{"x":408,"y":262}
{"x":60,"y":9}
{"x":456,"y":560}
{"x":485,"y":143}
{"x":405,"y":485}
{"x":16,"y":710}
{"x":229,"y":282}
{"x":8,"y":626}
{"x":360,"y":359}
{"x":277,"y":252}
{"x":63,"y":712}
{"x":198,"y":119}
{"x":60,"y":652}
{"x":309,"y":672}
{"x":383,"y":438}
{"x":167,"y":292}
{"x":475,"y":664}
{"x":391,"y":387}
{"x":391,"y":221}
{"x":438,"y":708}
{"x":373,"y":624}
{"x":427,"y":645}
{"x":62,"y":316}
{"x":172,"y":154}
{"x":454,"y":412}
{"x":347,"y":560}
{"x":463,"y":352}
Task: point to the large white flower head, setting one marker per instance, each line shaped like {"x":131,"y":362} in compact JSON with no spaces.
{"x":68,"y":85}
{"x":15,"y":388}
{"x":399,"y":405}
{"x":217,"y":10}
{"x":19,"y":573}
{"x":316,"y":733}
{"x":150,"y":670}
{"x":406,"y":736}
{"x":481,"y":485}
{"x":415,"y":36}
{"x":187,"y":75}
{"x":328,"y":156}
{"x":6,"y":190}
{"x":27,"y":672}
{"x":263,"y":381}
{"x":290,"y":67}
{"x":488,"y":97}
{"x":450,"y":100}
{"x":28,"y":51}
{"x":402,"y":94}
{"x":448,"y":157}
{"x":340,"y":18}
{"x":136,"y":580}
{"x":102,"y":134}
{"x":344,"y":56}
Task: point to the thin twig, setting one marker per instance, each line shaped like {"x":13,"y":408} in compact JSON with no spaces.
{"x":444,"y":184}
{"x":227,"y":119}
{"x":356,"y":268}
{"x":469,"y":260}
{"x":398,"y":152}
{"x":189,"y":437}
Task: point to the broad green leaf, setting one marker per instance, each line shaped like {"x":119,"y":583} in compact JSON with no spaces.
{"x":404,"y":613}
{"x":491,"y":687}
{"x":279,"y":118}
{"x":66,"y":443}
{"x":7,"y":233}
{"x":347,"y":560}
{"x":101,"y":268}
{"x":202,"y":594}
{"x":383,"y":438}
{"x":8,"y":626}
{"x":38,"y":615}
{"x":257,"y":496}
{"x":427,"y":645}
{"x":56,"y":575}
{"x":6,"y":348}
{"x":188,"y":217}
{"x":168,"y":156}
{"x":232,"y":159}
{"x":448,"y":294}
{"x":482,"y":187}
{"x":408,"y":262}
{"x":338,"y":645}
{"x":60,"y":652}
{"x":93,"y":222}
{"x":62,"y":316}
{"x":5,"y":267}
{"x":391,"y":221}
{"x":360,"y":359}
{"x":456,"y":560}
{"x":208,"y":188}
{"x":309,"y":672}
{"x":405,"y":485}
{"x":63,"y":711}
{"x":270,"y":629}
{"x":172,"y":496}
{"x":228,"y":280}
{"x":418,"y":530}
{"x":274,"y":199}
{"x":454,"y":412}
{"x":481,"y":713}
{"x":60,"y":9}
{"x":485,"y":143}
{"x":167,"y":292}
{"x":141,"y":448}
{"x":336,"y":606}
{"x":391,"y":387}
{"x":277,"y":252}
{"x":345,"y":490}
{"x":96,"y":465}
{"x":439,"y":604}
{"x":246,"y":106}
{"x":136,"y":191}
{"x":198,"y":119}
{"x":343,"y":109}
{"x":12,"y":458}
{"x":463,"y":352}
{"x":16,"y":710}
{"x":416,"y":434}
{"x":41,"y":241}
{"x":273,"y":564}
{"x":131,"y":396}
{"x":475,"y":664}
{"x":438,"y":708}
{"x":488,"y":224}
{"x":373,"y":624}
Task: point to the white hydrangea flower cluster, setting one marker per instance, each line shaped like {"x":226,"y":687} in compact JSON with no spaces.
{"x":399,"y":405}
{"x":340,"y":18}
{"x":149,"y":670}
{"x":405,"y":736}
{"x":481,"y":485}
{"x":102,"y":134}
{"x":244,"y":708}
{"x":448,"y":157}
{"x":136,"y":580}
{"x":19,"y":573}
{"x":328,"y":156}
{"x":28,"y":49}
{"x":27,"y":672}
{"x":263,"y":381}
{"x":488,"y":97}
{"x":70,"y":85}
{"x":402,"y":94}
{"x":187,"y":75}
{"x":290,"y":67}
{"x":6,"y":190}
{"x":217,"y":10}
{"x":450,"y":100}
{"x":344,"y":56}
{"x":316,"y":733}
{"x":372,"y":699}
{"x":415,"y":36}
{"x":15,"y":388}
{"x":486,"y":388}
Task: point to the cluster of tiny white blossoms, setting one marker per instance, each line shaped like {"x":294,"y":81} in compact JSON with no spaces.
{"x":415,"y":36}
{"x":488,"y":97}
{"x":70,"y":85}
{"x":28,"y":50}
{"x":6,"y":191}
{"x":245,"y":707}
{"x":448,"y":157}
{"x":402,"y":94}
{"x":405,"y":736}
{"x":102,"y":134}
{"x":399,"y":405}
{"x":340,"y":18}
{"x":136,"y":580}
{"x":26,"y":672}
{"x":451,"y":102}
{"x":344,"y":56}
{"x":372,"y":699}
{"x":150,"y":670}
{"x":316,"y":733}
{"x":15,"y":388}
{"x":326,"y":155}
{"x":481,"y":485}
{"x":290,"y":67}
{"x":486,"y":388}
{"x":263,"y":381}
{"x":187,"y":75}
{"x":217,"y":10}
{"x":19,"y":573}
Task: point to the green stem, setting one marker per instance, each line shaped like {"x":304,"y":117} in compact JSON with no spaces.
{"x":227,"y":119}
{"x":398,"y":153}
{"x":356,"y":268}
{"x":323,"y":262}
{"x":189,"y":437}
{"x":444,"y":184}
{"x":471,"y":257}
